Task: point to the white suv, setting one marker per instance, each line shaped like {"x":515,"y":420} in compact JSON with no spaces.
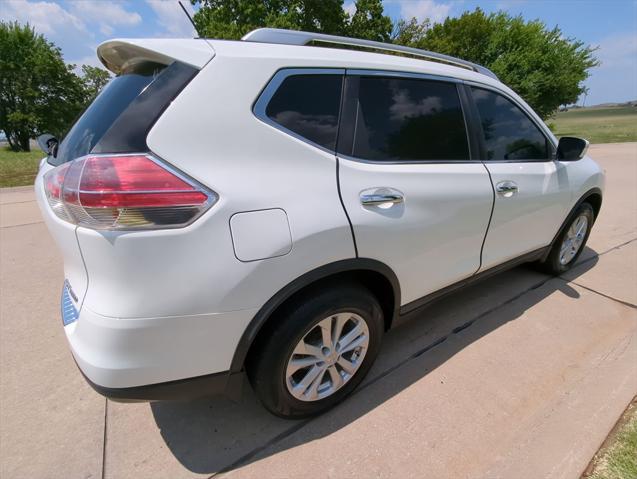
{"x":270,"y":207}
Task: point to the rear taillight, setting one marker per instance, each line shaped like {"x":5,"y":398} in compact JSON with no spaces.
{"x":124,"y":192}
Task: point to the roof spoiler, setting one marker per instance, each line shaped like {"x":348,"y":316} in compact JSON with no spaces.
{"x":118,"y":54}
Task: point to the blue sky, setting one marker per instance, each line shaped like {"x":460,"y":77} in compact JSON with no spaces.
{"x":77,"y":27}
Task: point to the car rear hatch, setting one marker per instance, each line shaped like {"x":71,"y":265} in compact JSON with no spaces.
{"x":149,"y":75}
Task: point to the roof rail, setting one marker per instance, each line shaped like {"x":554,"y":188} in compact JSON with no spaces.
{"x":295,"y":37}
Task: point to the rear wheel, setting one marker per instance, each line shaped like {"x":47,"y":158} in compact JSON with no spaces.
{"x":322,"y":346}
{"x":571,"y":242}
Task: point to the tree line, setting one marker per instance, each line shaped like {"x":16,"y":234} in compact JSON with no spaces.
{"x":40,"y":93}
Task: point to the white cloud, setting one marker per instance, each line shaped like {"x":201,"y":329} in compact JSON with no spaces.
{"x":618,"y":50}
{"x":105,"y":14}
{"x":172,"y":19}
{"x":56,"y":22}
{"x":350,"y":8}
{"x":91,"y":60}
{"x":423,"y":9}
{"x":45,"y":17}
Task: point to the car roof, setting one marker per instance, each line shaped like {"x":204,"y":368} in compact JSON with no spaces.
{"x":318,"y":56}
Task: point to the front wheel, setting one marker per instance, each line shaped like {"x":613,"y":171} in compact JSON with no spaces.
{"x":320,"y":348}
{"x":571,"y":242}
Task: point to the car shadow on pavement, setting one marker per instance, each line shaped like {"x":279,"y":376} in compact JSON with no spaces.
{"x":217,"y":434}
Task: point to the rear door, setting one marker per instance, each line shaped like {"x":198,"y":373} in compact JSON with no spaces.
{"x":532,"y":190}
{"x":416,"y":197}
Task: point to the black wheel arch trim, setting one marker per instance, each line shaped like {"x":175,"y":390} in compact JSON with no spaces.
{"x":343,"y":266}
{"x":593,"y":191}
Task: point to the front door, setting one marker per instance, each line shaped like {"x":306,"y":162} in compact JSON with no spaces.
{"x":532,"y":193}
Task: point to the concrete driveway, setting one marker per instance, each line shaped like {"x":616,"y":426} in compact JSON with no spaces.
{"x":520,"y":376}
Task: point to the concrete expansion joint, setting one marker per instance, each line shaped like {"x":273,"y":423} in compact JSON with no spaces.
{"x":620,"y":301}
{"x":105,"y":438}
{"x":587,"y":260}
{"x":22,"y":224}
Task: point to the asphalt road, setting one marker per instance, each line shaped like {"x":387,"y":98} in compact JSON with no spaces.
{"x":522,"y":375}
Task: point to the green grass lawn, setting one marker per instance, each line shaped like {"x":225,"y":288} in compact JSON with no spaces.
{"x":618,"y":459}
{"x":18,"y":168}
{"x":598,"y":125}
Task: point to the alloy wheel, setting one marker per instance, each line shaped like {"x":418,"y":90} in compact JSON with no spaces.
{"x":573,"y":240}
{"x":327,"y":356}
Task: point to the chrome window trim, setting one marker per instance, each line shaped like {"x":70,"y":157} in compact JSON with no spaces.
{"x":400,"y":74}
{"x":413,"y":162}
{"x":260,"y":105}
{"x":526,"y":110}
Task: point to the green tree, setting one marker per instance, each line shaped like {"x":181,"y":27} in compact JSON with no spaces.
{"x":369,"y":22}
{"x":539,"y":63}
{"x":94,"y":79}
{"x":38,"y":91}
{"x":409,"y":32}
{"x":231,"y":19}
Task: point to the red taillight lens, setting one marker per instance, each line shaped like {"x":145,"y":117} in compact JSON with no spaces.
{"x":54,"y":180}
{"x":124,"y":192}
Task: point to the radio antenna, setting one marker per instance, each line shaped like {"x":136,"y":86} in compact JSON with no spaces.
{"x":188,"y":15}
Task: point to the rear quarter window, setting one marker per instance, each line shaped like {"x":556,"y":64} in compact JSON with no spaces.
{"x":308,"y":105}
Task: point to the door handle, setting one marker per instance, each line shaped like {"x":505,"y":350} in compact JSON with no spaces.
{"x":375,"y":200}
{"x":507,"y":189}
{"x":381,"y":196}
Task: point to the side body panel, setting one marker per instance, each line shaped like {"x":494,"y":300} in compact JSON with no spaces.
{"x":528,"y":219}
{"x":434,"y":238}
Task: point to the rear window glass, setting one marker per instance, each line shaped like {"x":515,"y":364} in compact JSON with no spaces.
{"x":105,"y":109}
{"x":308,"y":105}
{"x":401,"y":119}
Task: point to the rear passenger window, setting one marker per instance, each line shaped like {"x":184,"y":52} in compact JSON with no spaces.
{"x":308,"y":105}
{"x":401,"y":119}
{"x":508,"y":133}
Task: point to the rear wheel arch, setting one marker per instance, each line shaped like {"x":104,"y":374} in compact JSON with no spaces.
{"x":375,"y":276}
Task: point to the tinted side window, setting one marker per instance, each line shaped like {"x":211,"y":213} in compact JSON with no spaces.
{"x":508,"y":133}
{"x":401,"y":119}
{"x":308,"y":105}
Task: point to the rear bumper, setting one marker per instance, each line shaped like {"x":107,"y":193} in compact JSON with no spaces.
{"x":222,"y":383}
{"x":177,"y":357}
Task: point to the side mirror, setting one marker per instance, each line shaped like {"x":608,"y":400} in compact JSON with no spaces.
{"x":48,"y":144}
{"x":571,"y":148}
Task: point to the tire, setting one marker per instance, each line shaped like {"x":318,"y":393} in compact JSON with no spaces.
{"x":557,"y":263}
{"x":281,"y":387}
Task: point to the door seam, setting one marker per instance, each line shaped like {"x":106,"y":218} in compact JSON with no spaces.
{"x":484,"y":239}
{"x":340,"y":197}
